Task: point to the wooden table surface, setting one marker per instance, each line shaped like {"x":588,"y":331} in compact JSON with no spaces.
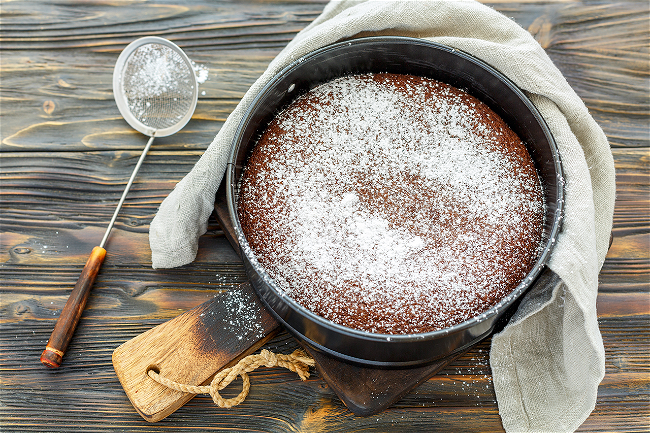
{"x":67,"y":154}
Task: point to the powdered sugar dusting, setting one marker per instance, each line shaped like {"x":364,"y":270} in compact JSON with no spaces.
{"x":387,"y":206}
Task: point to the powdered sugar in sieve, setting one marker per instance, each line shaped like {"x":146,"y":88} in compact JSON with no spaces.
{"x":155,"y":86}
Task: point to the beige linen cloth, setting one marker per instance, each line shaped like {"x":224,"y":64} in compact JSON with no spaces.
{"x":547,"y":363}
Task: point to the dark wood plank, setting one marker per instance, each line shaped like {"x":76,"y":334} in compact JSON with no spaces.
{"x":601,"y":48}
{"x":66,"y":202}
{"x":627,"y":267}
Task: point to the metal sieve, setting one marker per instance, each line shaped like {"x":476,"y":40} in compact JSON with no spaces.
{"x":155,"y":88}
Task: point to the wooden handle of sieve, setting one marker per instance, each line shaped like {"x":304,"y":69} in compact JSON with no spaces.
{"x":67,"y":322}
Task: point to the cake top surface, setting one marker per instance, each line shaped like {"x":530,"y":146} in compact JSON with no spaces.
{"x":392,"y":204}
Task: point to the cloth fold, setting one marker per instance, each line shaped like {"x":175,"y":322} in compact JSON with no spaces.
{"x":547,"y":363}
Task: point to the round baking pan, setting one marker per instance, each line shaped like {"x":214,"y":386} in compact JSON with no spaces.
{"x":405,"y":56}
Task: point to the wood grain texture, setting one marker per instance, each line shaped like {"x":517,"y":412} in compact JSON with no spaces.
{"x":67,"y":154}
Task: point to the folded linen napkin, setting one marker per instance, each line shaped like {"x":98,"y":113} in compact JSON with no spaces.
{"x":547,"y":363}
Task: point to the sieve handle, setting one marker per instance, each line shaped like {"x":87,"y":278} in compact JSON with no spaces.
{"x":65,"y":326}
{"x":67,"y":322}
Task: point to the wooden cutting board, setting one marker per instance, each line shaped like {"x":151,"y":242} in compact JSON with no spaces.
{"x":191,"y":349}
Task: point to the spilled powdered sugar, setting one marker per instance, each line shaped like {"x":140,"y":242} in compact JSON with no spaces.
{"x":391,"y":206}
{"x":201,"y":72}
{"x":241,"y":316}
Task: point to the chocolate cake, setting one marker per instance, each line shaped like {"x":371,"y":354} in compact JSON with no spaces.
{"x":392,"y":204}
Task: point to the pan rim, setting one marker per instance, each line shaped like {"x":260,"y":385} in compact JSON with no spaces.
{"x":504,"y":303}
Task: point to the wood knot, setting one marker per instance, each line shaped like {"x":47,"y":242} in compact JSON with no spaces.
{"x":48,"y":107}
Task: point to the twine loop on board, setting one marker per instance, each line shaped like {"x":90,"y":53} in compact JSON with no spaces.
{"x":298,"y":362}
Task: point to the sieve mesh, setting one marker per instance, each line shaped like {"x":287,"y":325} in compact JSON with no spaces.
{"x":158,"y":85}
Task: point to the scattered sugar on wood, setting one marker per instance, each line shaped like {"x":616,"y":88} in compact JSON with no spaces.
{"x":241,"y":316}
{"x":201,"y":72}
